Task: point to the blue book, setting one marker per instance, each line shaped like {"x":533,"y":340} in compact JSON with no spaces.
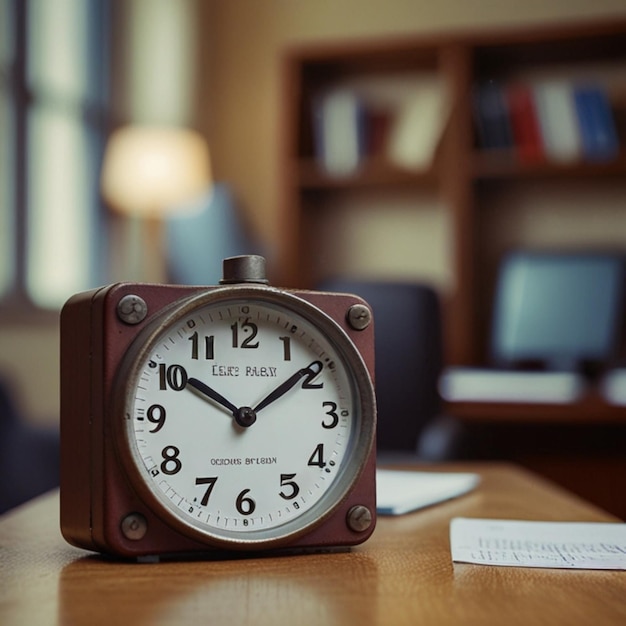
{"x":492,"y":117}
{"x":597,"y":126}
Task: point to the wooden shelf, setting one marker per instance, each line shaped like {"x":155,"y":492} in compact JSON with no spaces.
{"x":505,"y":165}
{"x":589,"y":410}
{"x":371,"y":173}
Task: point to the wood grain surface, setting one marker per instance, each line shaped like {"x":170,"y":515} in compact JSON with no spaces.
{"x":402,"y":575}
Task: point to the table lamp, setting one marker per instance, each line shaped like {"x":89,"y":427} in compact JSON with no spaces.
{"x":150,"y":173}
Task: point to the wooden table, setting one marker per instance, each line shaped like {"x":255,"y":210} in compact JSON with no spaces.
{"x":402,"y":575}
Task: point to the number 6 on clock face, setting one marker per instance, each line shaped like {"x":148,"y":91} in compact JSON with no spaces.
{"x":247,"y":416}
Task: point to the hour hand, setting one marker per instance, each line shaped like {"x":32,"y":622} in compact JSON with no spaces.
{"x":204,"y":389}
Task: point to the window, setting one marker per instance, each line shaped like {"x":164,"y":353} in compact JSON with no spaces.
{"x":7,"y":191}
{"x":53,"y":59}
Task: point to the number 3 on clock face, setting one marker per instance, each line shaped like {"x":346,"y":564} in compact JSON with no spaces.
{"x":247,"y":416}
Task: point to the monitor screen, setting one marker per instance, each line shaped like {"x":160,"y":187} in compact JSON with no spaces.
{"x":558,"y":310}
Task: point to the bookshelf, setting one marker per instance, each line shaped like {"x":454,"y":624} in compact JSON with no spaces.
{"x":462,"y":175}
{"x":471,"y":183}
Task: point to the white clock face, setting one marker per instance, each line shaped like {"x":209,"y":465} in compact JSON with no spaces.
{"x":244,"y":419}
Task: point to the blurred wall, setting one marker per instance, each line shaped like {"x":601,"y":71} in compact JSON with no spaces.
{"x":238,"y":107}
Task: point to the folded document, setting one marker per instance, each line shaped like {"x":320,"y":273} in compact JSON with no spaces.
{"x":400,"y":492}
{"x":576,"y":545}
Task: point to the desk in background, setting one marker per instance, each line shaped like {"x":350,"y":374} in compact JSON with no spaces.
{"x":402,"y":575}
{"x":580,"y":446}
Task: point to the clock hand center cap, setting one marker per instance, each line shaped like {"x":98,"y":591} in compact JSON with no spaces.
{"x":245,"y":416}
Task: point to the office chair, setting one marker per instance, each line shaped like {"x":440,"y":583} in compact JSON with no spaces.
{"x":198,"y":243}
{"x":409,"y":358}
{"x":29,"y":455}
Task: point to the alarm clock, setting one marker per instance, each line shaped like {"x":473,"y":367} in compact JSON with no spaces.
{"x":235,"y":417}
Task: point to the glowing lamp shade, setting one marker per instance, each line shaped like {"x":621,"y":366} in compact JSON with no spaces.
{"x":153,"y":172}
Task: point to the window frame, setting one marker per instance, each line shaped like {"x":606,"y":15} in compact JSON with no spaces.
{"x":94,"y":116}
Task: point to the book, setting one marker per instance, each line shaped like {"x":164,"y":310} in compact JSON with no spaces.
{"x":378,"y":123}
{"x":524,"y":123}
{"x":491,"y":115}
{"x":399,"y":492}
{"x":468,"y":384}
{"x":558,"y":120}
{"x":597,"y":126}
{"x":613,"y":386}
{"x":339,"y":131}
{"x":418,"y":127}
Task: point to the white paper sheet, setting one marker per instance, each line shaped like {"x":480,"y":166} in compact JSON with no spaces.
{"x":578,"y":545}
{"x":400,"y":492}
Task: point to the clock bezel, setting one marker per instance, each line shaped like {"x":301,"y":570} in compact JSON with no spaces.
{"x":361,"y":442}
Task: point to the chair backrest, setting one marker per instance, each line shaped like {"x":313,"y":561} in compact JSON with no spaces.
{"x":198,"y":243}
{"x":409,"y":356}
{"x":29,"y":455}
{"x":558,"y":310}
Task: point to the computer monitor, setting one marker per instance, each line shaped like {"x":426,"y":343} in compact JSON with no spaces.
{"x":558,"y":310}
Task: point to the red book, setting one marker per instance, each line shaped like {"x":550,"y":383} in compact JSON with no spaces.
{"x":525,"y":123}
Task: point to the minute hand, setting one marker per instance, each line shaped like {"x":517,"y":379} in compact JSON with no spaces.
{"x":311,"y":370}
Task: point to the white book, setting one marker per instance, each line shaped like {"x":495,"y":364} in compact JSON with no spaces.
{"x":468,"y":384}
{"x":418,"y":127}
{"x":340,"y":131}
{"x":400,"y":492}
{"x":558,"y":120}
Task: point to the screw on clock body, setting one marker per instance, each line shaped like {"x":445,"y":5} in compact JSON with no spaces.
{"x":359,"y":316}
{"x":132,"y":309}
{"x":359,"y":518}
{"x":134,"y":526}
